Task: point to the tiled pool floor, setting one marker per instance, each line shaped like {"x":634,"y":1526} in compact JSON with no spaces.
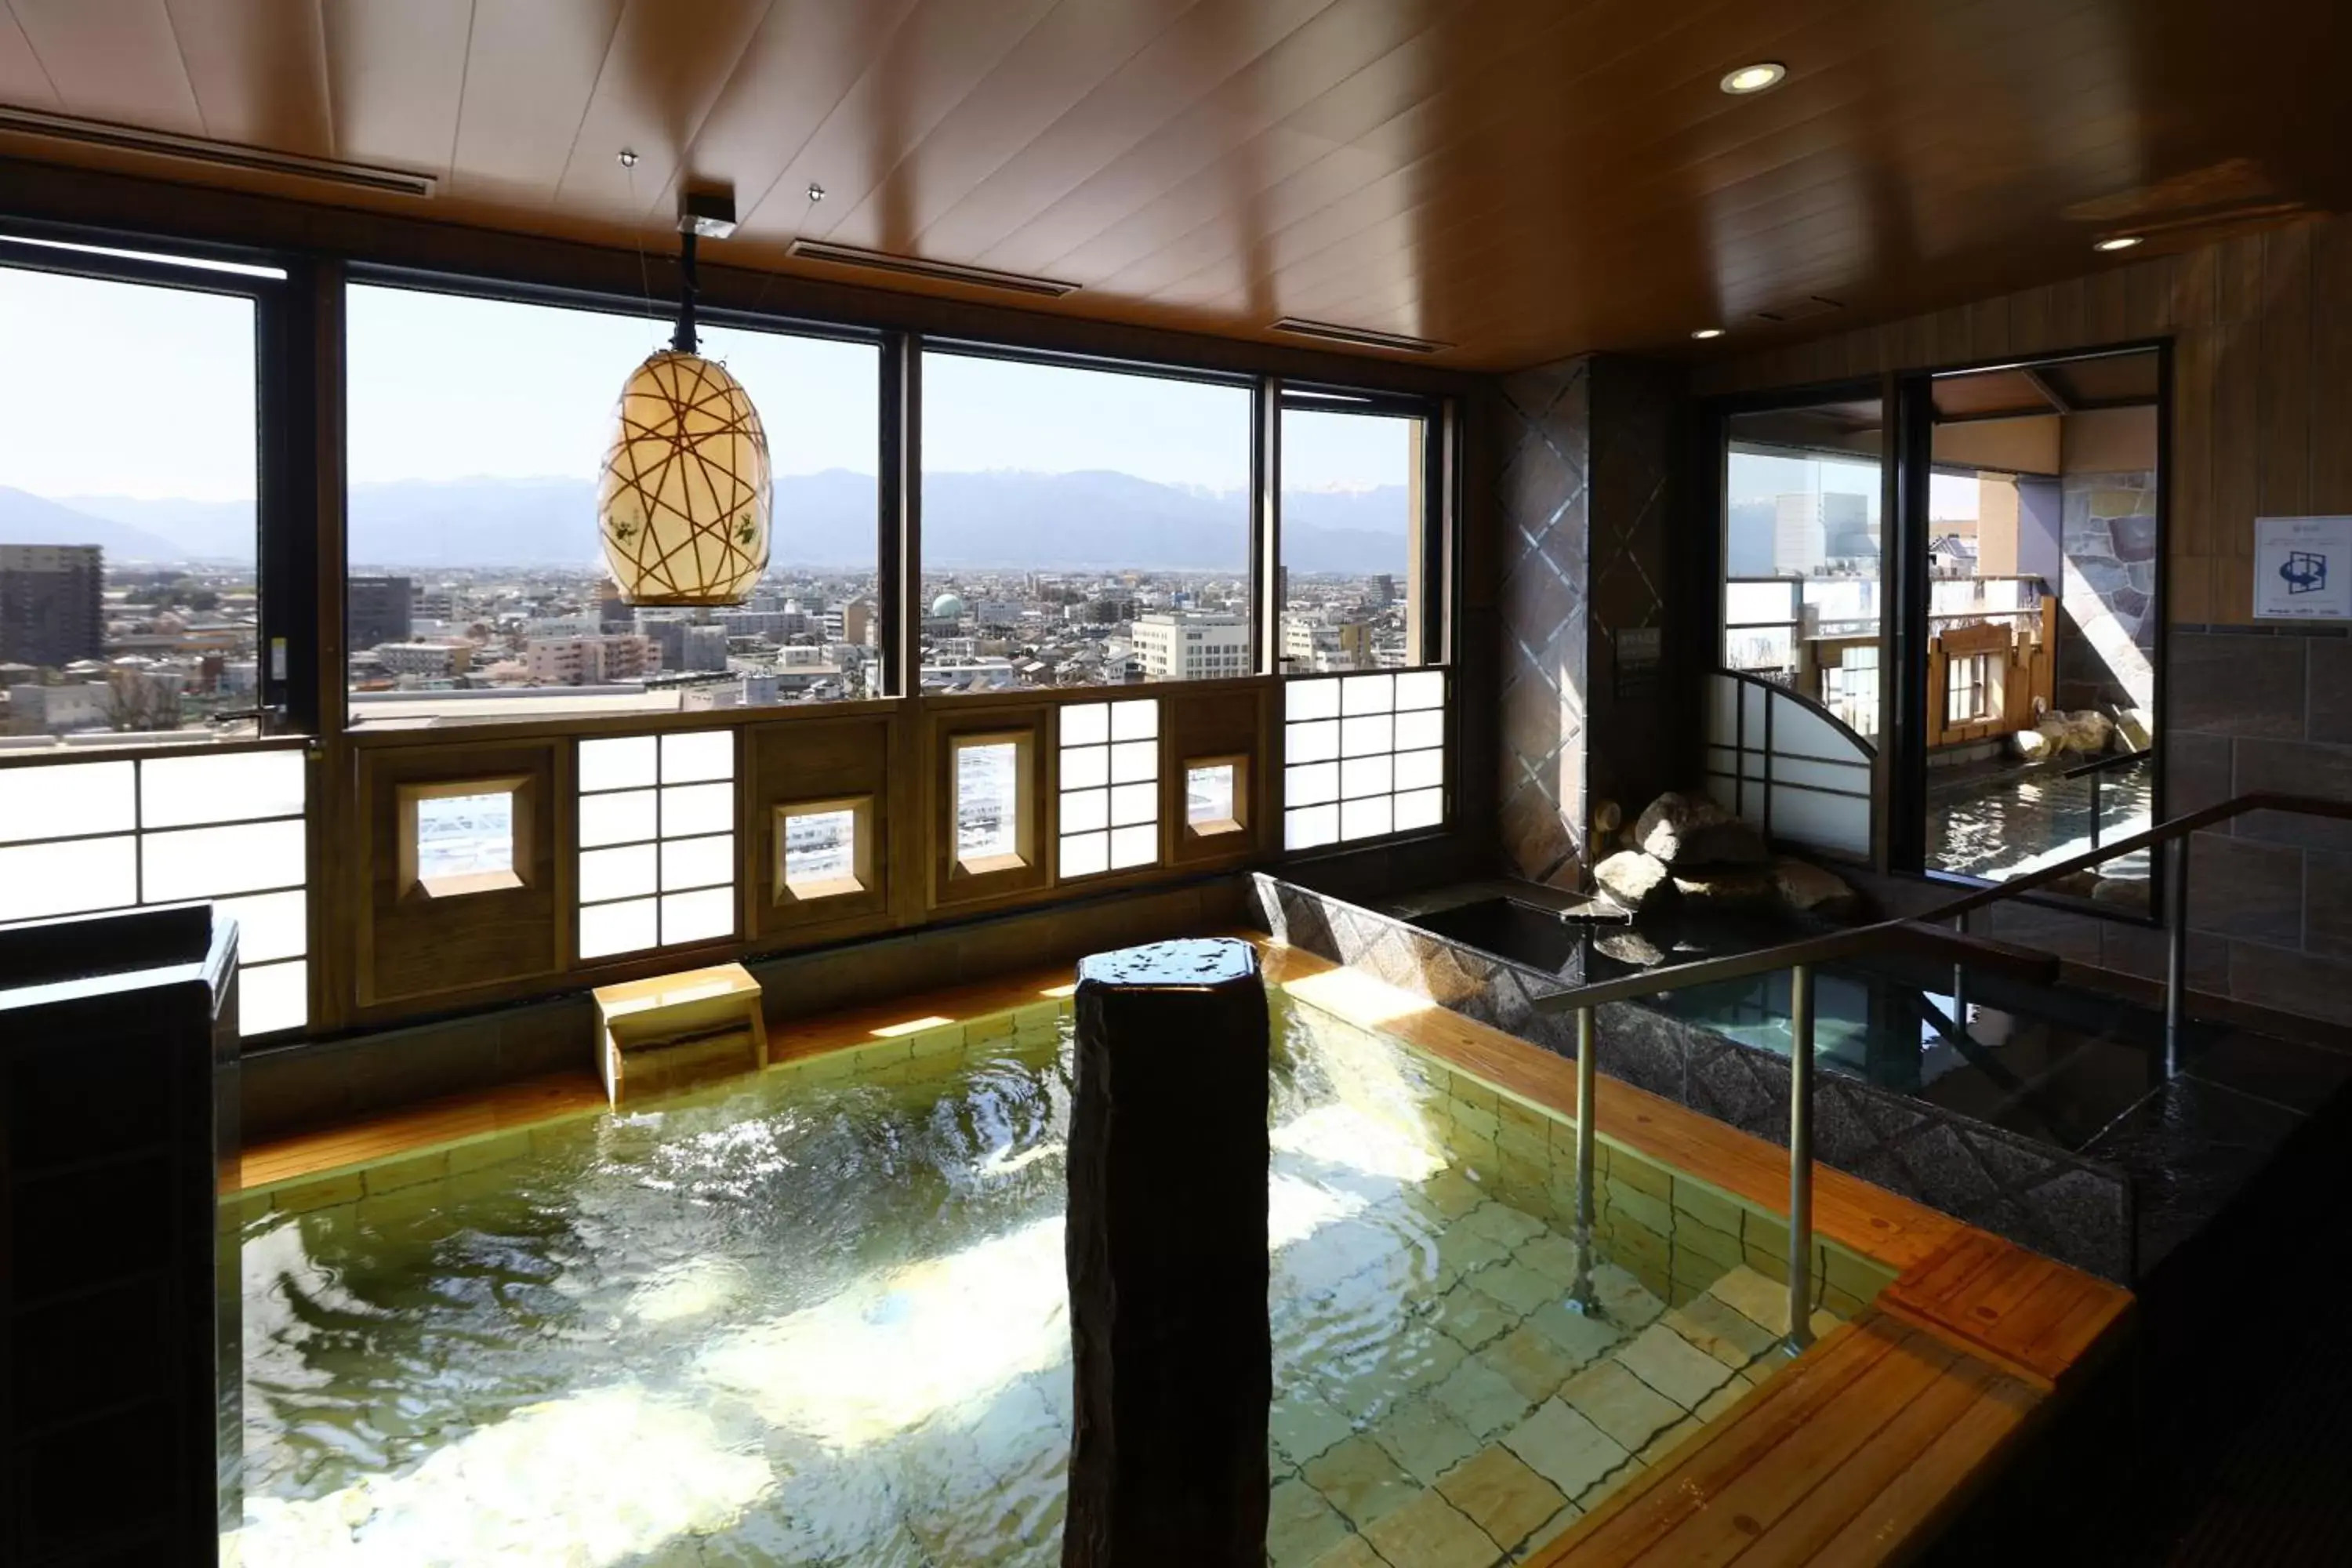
{"x":819,"y":1318}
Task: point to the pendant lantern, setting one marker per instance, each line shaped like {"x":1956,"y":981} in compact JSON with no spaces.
{"x":683,"y":506}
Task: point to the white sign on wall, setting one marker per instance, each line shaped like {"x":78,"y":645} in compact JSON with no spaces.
{"x":2302,"y":568}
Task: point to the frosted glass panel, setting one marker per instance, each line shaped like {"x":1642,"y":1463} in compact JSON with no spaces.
{"x":618,"y":928}
{"x":1416,"y":731}
{"x":1423,"y":689}
{"x":1085,"y":725}
{"x":1310,"y":826}
{"x":1420,"y":770}
{"x":699,"y":754}
{"x":1312,"y":785}
{"x":1828,"y":821}
{"x":1084,"y":854}
{"x":697,"y":917}
{"x":1420,"y":808}
{"x":179,"y":792}
{"x":273,"y":996}
{"x":1315,"y":743}
{"x":1363,"y":737}
{"x":38,"y":880}
{"x":1134,"y":845}
{"x":269,"y":925}
{"x":202,"y":862}
{"x":1368,"y":694}
{"x":625,"y":764}
{"x":1361,"y":776}
{"x":1365,"y":818}
{"x":1132,"y":804}
{"x":697,"y":808}
{"x":1304,"y":699}
{"x":66,"y":802}
{"x":1086,"y":811}
{"x":1798,"y":730}
{"x":1134,"y":759}
{"x":698,"y":862}
{"x":624,"y":873}
{"x":623,"y":818}
{"x":1138,"y":720}
{"x":1085,"y":768}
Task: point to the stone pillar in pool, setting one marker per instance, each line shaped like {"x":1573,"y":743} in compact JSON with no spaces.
{"x":1167,"y":1257}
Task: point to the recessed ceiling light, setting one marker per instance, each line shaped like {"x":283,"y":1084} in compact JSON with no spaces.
{"x":2120,"y":242}
{"x":1706,"y":333}
{"x":1760,"y":76}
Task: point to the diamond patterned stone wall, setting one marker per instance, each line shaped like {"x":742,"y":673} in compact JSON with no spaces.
{"x":2078,"y":1210}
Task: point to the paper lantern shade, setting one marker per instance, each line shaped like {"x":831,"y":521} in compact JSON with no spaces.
{"x":683,"y":506}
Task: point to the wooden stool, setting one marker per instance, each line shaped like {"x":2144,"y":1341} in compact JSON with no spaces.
{"x":675,"y":1029}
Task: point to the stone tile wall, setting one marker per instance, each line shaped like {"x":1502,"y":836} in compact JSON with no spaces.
{"x":2078,"y":1210}
{"x":2106,"y":651}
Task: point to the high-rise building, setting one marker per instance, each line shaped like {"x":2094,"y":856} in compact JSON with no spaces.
{"x":1313,"y":646}
{"x":52,"y":603}
{"x":706,"y":647}
{"x":1383,"y":591}
{"x":590,"y":660}
{"x":378,"y":610}
{"x":1186,"y":645}
{"x":1811,"y":527}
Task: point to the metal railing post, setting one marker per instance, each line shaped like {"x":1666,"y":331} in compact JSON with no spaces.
{"x":2176,"y":948}
{"x":1579,"y":1294}
{"x":1960,"y":979}
{"x":1800,"y":1158}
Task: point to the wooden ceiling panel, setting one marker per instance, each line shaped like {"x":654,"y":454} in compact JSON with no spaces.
{"x":1523,"y":179}
{"x":112,"y":59}
{"x":1048,"y":73}
{"x":395,"y":72}
{"x":258,"y":73}
{"x":22,"y":80}
{"x":1209,"y":45}
{"x":655,"y":88}
{"x":531,"y":68}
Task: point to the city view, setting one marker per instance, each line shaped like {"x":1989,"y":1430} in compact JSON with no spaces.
{"x":1080,"y":527}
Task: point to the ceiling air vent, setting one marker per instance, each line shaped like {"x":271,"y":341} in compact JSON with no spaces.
{"x":1803,"y":310}
{"x":940,"y":271}
{"x":219,"y":154}
{"x":1359,"y":337}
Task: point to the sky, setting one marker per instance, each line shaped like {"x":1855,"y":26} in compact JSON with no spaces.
{"x":444,"y":387}
{"x":1753,"y":477}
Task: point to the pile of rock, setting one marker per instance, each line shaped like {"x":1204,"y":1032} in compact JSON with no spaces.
{"x":2060,"y":735}
{"x":1686,"y":849}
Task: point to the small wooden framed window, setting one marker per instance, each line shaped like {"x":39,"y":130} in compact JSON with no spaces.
{"x":988,"y":811}
{"x":1216,"y":794}
{"x":459,"y":837}
{"x":824,"y":848}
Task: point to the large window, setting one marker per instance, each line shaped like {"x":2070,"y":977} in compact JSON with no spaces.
{"x":478,"y":587}
{"x":129,"y":576}
{"x":1081,"y":527}
{"x":1355,"y":517}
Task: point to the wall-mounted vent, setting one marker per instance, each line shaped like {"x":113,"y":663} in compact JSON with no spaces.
{"x":219,"y":154}
{"x":1358,"y":337}
{"x":1803,"y":310}
{"x":940,"y":271}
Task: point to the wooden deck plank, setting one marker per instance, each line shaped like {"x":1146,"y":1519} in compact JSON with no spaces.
{"x":2018,"y":1306}
{"x":1932,"y":1490}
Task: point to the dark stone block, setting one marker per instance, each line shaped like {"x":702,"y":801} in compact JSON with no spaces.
{"x":2285,"y":1072}
{"x":2329,"y":661}
{"x":2299,"y":983}
{"x":1167,"y":1255}
{"x":2197,"y":773}
{"x":2188,"y":1148}
{"x":2221,"y":685}
{"x":2135,"y":537}
{"x":2327,"y":904}
{"x":2243,"y":888}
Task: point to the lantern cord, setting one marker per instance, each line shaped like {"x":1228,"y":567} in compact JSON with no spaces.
{"x":683,"y":340}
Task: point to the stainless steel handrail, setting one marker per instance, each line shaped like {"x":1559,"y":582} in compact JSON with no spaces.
{"x":1801,"y":958}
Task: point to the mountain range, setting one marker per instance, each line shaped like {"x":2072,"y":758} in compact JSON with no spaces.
{"x":998,"y":519}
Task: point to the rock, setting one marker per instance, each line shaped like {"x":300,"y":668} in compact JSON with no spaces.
{"x":1727,"y":887}
{"x":1812,"y":889}
{"x":1637,"y":882}
{"x":2125,"y":892}
{"x":1629,"y":947}
{"x":1691,"y":830}
{"x":2030,"y":745}
{"x":1606,"y":816}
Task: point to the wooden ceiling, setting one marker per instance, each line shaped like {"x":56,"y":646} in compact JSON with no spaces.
{"x":1522,"y":179}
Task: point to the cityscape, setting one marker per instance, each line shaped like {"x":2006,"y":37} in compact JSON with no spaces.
{"x":91,"y":646}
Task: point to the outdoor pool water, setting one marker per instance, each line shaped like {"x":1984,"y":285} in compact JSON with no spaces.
{"x":818,"y":1316}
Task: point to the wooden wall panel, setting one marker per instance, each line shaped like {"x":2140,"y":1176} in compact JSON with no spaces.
{"x":824,"y":758}
{"x":412,"y":946}
{"x":1216,"y":724}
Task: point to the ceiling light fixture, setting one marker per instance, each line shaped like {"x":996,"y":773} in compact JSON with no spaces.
{"x":1706,"y":333}
{"x":1761,"y":77}
{"x":2118,"y":242}
{"x":683,"y":505}
{"x":219,"y":154}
